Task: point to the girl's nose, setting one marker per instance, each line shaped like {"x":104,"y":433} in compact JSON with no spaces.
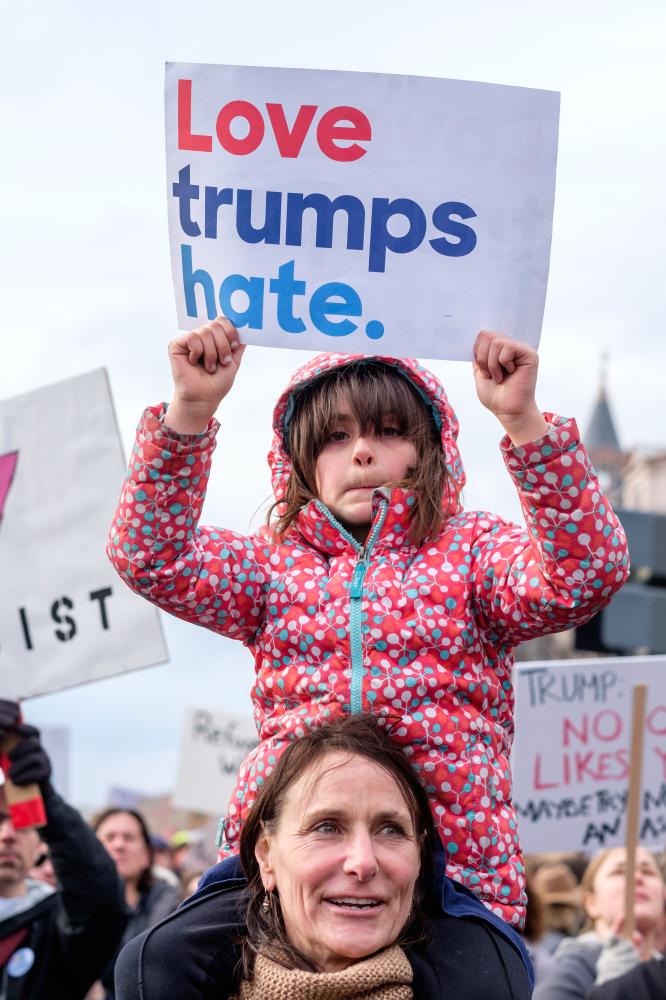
{"x":361,"y":860}
{"x":363,"y":453}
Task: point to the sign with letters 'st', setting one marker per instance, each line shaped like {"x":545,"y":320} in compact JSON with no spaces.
{"x":571,"y":752}
{"x":65,"y":617}
{"x":359,"y":212}
{"x":212,"y":748}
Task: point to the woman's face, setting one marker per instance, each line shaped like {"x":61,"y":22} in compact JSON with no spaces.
{"x":605,"y":903}
{"x":344,"y":859}
{"x":121,"y":835}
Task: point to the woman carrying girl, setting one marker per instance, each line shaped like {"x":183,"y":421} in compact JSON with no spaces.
{"x":372,"y":589}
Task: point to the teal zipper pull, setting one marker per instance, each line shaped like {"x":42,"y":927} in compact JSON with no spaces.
{"x":356,"y":585}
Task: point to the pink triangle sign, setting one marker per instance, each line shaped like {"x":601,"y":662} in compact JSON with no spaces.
{"x":7,"y":467}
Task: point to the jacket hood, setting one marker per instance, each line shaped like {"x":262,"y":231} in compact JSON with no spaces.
{"x":426,"y":384}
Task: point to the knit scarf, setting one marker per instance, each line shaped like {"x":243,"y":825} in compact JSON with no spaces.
{"x":386,"y":976}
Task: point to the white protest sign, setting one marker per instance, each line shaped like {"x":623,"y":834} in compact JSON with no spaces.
{"x":571,"y":752}
{"x":56,"y":742}
{"x":359,"y":212}
{"x":65,"y":617}
{"x":212,"y":748}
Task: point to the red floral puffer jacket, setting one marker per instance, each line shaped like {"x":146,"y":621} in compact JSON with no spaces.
{"x":421,"y":636}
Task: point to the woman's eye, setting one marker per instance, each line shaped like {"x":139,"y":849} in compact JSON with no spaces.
{"x":393,"y":830}
{"x":327,"y":826}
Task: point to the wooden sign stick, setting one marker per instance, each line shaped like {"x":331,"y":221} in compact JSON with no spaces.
{"x":634,"y":803}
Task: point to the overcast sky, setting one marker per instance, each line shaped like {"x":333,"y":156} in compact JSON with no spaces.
{"x":85,"y":277}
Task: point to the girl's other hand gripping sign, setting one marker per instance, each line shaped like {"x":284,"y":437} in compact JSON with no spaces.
{"x":505,"y":374}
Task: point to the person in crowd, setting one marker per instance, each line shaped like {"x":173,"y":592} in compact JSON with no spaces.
{"x":162,"y":853}
{"x":163,"y":860}
{"x":53,"y":943}
{"x":336,"y":894}
{"x":125,"y":835}
{"x":43,"y":869}
{"x":373,"y":589}
{"x":600,"y":953}
{"x":182,"y":844}
{"x":560,"y":892}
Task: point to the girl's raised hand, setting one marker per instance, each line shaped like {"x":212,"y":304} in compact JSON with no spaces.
{"x":505,"y":373}
{"x":204,"y":364}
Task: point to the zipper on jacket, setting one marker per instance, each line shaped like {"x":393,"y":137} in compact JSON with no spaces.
{"x":355,"y":622}
{"x":355,"y":638}
{"x":356,"y":600}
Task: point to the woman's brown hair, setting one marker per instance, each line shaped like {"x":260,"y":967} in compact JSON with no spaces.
{"x":373,"y":391}
{"x":357,"y":735}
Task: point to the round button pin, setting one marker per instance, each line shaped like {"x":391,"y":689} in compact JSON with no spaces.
{"x":21,"y":962}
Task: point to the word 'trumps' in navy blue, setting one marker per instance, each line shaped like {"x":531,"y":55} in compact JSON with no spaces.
{"x":456,"y":239}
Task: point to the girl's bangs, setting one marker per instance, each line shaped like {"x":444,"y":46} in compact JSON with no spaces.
{"x":372,"y":394}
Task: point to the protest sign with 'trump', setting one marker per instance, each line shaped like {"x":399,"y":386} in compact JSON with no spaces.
{"x":359,"y":212}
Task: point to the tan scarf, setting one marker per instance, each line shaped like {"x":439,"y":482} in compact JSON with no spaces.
{"x":386,"y":976}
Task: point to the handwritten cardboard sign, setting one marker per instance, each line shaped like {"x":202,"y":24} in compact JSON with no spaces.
{"x":65,"y":618}
{"x":213,"y":746}
{"x":571,"y":752}
{"x":359,"y":212}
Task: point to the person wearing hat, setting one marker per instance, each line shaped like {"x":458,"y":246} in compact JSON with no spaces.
{"x":559,"y":891}
{"x":163,"y":860}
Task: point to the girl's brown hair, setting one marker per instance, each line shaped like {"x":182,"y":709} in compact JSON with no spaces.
{"x":373,"y":391}
{"x":357,"y":735}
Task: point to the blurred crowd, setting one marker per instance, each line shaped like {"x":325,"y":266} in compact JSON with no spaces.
{"x":576,"y":928}
{"x":157,"y":874}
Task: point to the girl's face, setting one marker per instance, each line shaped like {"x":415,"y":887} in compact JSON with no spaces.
{"x":344,"y":859}
{"x":352,"y":463}
{"x":606,"y":901}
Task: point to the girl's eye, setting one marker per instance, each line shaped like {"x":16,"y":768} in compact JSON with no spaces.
{"x":338,"y":435}
{"x":391,"y":431}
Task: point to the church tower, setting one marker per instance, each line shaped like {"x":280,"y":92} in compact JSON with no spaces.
{"x":602,"y":442}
